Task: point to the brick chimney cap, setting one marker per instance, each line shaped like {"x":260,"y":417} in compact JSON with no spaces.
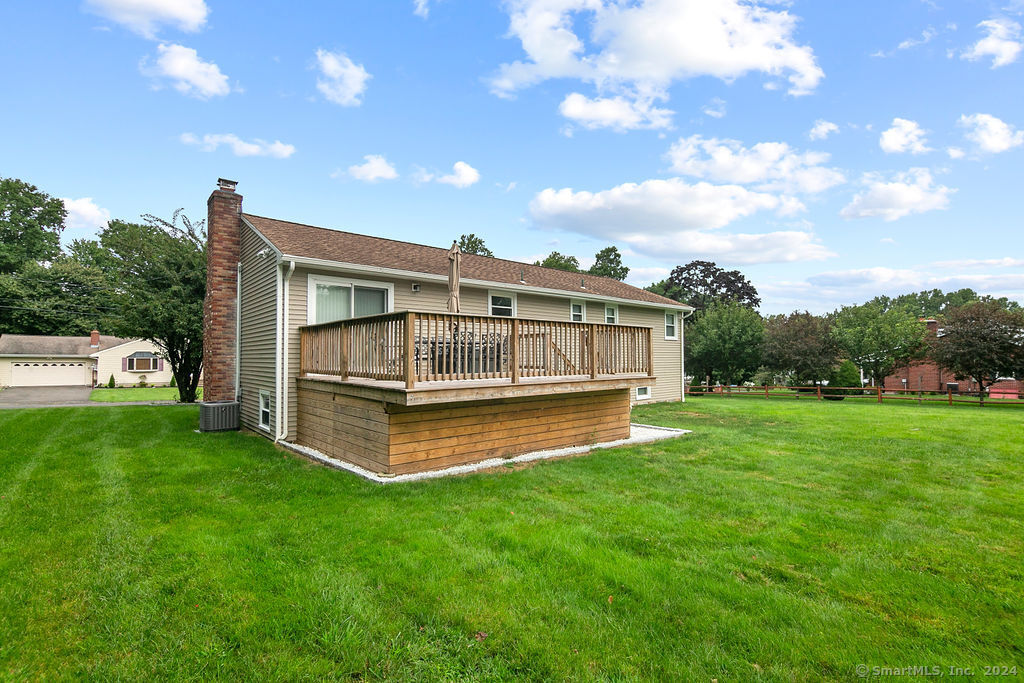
{"x":226,"y":185}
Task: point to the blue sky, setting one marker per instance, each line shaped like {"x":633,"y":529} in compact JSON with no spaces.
{"x":830,"y":151}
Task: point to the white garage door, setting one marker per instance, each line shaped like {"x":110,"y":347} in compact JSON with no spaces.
{"x":47,"y":374}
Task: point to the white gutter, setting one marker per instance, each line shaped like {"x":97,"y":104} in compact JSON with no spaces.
{"x":493,"y":284}
{"x":238,"y":332}
{"x":278,"y":313}
{"x":282,"y":410}
{"x":682,"y":356}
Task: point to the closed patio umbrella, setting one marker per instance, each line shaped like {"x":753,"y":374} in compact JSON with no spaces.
{"x":454,"y":273}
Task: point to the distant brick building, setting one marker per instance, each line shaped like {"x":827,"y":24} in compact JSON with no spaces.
{"x":925,"y":375}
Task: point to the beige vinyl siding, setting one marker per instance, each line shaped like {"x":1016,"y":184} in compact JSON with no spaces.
{"x":5,"y":372}
{"x":109,"y":362}
{"x":667,"y":361}
{"x":257,"y":342}
{"x":433,"y":297}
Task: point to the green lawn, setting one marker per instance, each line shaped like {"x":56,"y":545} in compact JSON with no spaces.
{"x":782,"y":540}
{"x":137,"y":394}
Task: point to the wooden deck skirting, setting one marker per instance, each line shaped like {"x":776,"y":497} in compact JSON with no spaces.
{"x":394,"y":438}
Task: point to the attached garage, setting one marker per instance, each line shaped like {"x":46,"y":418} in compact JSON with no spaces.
{"x":50,"y":374}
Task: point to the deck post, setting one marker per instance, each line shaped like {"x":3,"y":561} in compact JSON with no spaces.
{"x":409,"y":346}
{"x":303,"y":362}
{"x":592,"y":350}
{"x":513,"y":352}
{"x":650,"y":352}
{"x":346,"y":350}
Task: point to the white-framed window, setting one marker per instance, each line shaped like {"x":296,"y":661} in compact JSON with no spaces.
{"x":265,"y":410}
{"x":671,"y":325}
{"x":643,"y":393}
{"x":611,"y":314}
{"x":330,"y":298}
{"x":577,"y":311}
{"x":142,"y":361}
{"x":501,"y":304}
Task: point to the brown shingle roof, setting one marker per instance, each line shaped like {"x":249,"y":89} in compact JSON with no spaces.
{"x":296,"y":239}
{"x":43,"y":345}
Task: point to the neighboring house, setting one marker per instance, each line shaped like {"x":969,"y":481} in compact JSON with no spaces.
{"x":925,"y":375}
{"x":28,"y":360}
{"x":341,"y":342}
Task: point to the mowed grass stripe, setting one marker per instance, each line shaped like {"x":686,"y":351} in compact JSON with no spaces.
{"x":780,"y":540}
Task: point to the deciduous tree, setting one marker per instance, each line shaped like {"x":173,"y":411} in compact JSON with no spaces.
{"x":725,"y":344}
{"x":608,"y":263}
{"x":161,"y":270}
{"x":982,"y":341}
{"x":877,"y":339}
{"x":31,"y":222}
{"x":702,"y":283}
{"x":560,"y":261}
{"x":800,"y":343}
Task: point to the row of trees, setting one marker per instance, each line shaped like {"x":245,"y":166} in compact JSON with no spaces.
{"x":143,"y":280}
{"x":731,"y":343}
{"x":607,"y":262}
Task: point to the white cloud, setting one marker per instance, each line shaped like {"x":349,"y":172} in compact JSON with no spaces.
{"x":188,"y":74}
{"x":991,"y":134}
{"x":926,"y":37}
{"x":1002,"y":43}
{"x":909,"y":192}
{"x":955,"y":152}
{"x":375,"y":168}
{"x":84,"y":214}
{"x":341,"y":81}
{"x":617,"y":113}
{"x":637,"y":50}
{"x":463,"y":175}
{"x":822,"y":129}
{"x":672,"y":219}
{"x":715,"y":108}
{"x":772,"y":166}
{"x":421,"y":8}
{"x":240,"y":147}
{"x":902,"y":280}
{"x":641,"y":276}
{"x":904,"y":136}
{"x":827,"y":291}
{"x":1004,"y":262}
{"x":146,"y":16}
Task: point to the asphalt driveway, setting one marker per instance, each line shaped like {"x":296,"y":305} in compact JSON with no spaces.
{"x":29,"y":397}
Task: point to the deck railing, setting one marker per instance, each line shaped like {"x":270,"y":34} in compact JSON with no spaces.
{"x":413,"y":347}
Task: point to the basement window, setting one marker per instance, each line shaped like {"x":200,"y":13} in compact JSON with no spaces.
{"x":265,"y":410}
{"x":643,"y":393}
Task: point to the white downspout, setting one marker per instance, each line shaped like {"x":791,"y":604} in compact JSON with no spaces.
{"x":682,"y":355}
{"x":238,"y":332}
{"x":282,"y":404}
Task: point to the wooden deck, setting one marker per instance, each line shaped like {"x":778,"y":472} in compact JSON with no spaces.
{"x":392,"y":438}
{"x":407,"y":392}
{"x":424,"y":393}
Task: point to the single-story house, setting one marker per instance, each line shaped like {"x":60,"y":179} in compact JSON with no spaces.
{"x":348,"y":344}
{"x":30,"y":360}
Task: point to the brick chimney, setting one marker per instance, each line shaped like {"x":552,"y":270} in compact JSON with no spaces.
{"x":223,"y":222}
{"x":94,"y":339}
